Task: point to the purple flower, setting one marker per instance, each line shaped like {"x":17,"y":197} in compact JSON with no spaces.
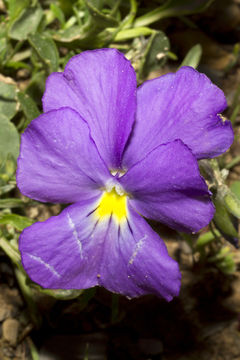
{"x":118,"y":154}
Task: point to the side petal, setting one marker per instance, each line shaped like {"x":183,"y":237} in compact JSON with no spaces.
{"x":166,"y":186}
{"x":101,"y":86}
{"x":135,"y":261}
{"x":186,"y":106}
{"x":76,"y":250}
{"x":58,"y":160}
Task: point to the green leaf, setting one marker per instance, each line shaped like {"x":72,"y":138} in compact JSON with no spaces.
{"x":58,"y":13}
{"x":6,"y":188}
{"x":155,"y":53}
{"x":9,"y":139}
{"x":11,"y":203}
{"x":27,"y":23}
{"x":59,"y":293}
{"x":8,"y":104}
{"x":7,"y":169}
{"x":206,"y":238}
{"x":28,"y":106}
{"x":46,"y":50}
{"x":102,"y":20}
{"x":17,"y":221}
{"x":36,"y":86}
{"x":235,"y":188}
{"x":15,"y":7}
{"x":193,"y":57}
{"x":173,"y":8}
{"x":224,"y":260}
{"x":11,"y":252}
{"x":67,"y":6}
{"x":223,"y":220}
{"x":232,"y":203}
{"x":128,"y":34}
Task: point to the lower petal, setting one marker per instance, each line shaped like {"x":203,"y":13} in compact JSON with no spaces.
{"x":63,"y":251}
{"x":135,"y":261}
{"x":78,"y":249}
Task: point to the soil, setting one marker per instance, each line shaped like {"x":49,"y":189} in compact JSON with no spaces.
{"x":202,"y":323}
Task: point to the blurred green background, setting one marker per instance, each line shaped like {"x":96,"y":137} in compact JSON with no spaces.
{"x":39,"y":37}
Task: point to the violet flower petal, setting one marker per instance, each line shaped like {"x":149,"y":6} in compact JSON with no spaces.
{"x":101,"y":86}
{"x":62,"y":252}
{"x":185,"y":106}
{"x":136,"y":262}
{"x":58,"y":160}
{"x":166,"y":186}
{"x":74,"y":250}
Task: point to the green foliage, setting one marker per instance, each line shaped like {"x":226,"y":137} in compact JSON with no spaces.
{"x":8,"y":103}
{"x":39,"y":37}
{"x":235,"y":188}
{"x":173,"y":8}
{"x":9,"y":139}
{"x":28,"y":107}
{"x":155,"y":54}
{"x":46,"y":50}
{"x":193,"y":57}
{"x":27,"y":23}
{"x":17,"y":221}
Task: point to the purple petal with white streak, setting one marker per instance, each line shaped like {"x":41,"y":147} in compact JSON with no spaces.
{"x":75,"y":251}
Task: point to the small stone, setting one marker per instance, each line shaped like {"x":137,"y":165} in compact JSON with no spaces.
{"x":5,"y":311}
{"x":10,"y":329}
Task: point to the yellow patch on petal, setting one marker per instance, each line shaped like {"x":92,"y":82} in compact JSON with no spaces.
{"x":112,"y":204}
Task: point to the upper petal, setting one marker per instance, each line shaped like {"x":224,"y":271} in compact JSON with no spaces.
{"x":77,"y":250}
{"x":185,"y":106}
{"x":166,"y":186}
{"x":101,"y":86}
{"x":58,"y":160}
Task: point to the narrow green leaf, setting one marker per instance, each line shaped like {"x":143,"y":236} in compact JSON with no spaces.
{"x":102,"y":20}
{"x":235,"y":188}
{"x":27,"y":23}
{"x":11,"y":203}
{"x":58,"y":13}
{"x":8,"y":104}
{"x":172,"y":8}
{"x":28,"y":295}
{"x":11,"y":252}
{"x":17,"y":221}
{"x":206,"y":238}
{"x":46,"y":50}
{"x":155,"y":53}
{"x":59,"y":293}
{"x":232,"y":203}
{"x":28,"y":106}
{"x":223,"y":220}
{"x":128,"y":34}
{"x":15,"y":7}
{"x":224,"y":260}
{"x":9,"y":139}
{"x":36,"y":86}
{"x":33,"y":349}
{"x":4,"y":189}
{"x":193,"y":57}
